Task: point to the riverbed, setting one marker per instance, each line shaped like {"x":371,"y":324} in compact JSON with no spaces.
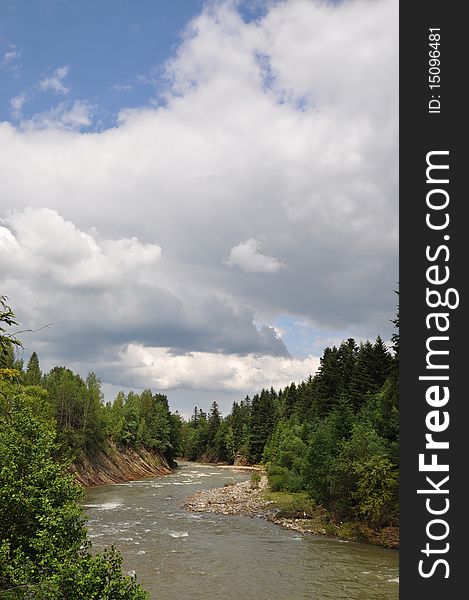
{"x":178,"y":555}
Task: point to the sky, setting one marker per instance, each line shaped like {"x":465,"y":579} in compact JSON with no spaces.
{"x":198,"y":197}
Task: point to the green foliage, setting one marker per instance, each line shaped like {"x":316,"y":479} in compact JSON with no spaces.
{"x":261,"y":424}
{"x":195,"y":436}
{"x":284,"y":456}
{"x":44,"y":550}
{"x":73,"y":402}
{"x":292,"y":504}
{"x":33,"y":374}
{"x":7,"y":319}
{"x":361,"y":481}
{"x":8,"y":342}
{"x":323,"y":447}
{"x":176,"y":427}
{"x":377,"y":491}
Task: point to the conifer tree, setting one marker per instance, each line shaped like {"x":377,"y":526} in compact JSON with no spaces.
{"x":33,"y":374}
{"x":214,"y":421}
{"x":261,"y":425}
{"x":363,"y":381}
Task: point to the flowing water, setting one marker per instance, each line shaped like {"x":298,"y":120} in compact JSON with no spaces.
{"x":179,"y":555}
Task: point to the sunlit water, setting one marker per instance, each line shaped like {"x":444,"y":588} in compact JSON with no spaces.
{"x":179,"y":555}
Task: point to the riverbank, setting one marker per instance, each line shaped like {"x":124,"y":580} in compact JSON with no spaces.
{"x":116,"y":465}
{"x":286,"y":510}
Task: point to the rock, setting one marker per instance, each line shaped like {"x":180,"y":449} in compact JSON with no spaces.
{"x":236,"y":499}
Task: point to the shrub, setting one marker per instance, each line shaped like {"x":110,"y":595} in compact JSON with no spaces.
{"x":255,"y":480}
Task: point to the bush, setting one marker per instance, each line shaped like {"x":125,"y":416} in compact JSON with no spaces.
{"x":255,"y":480}
{"x":282,"y":479}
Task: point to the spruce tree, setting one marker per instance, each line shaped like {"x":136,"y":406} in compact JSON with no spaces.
{"x":363,"y":381}
{"x":33,"y":374}
{"x":214,"y":421}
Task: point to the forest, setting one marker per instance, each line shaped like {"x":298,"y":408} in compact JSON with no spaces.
{"x":334,"y":436}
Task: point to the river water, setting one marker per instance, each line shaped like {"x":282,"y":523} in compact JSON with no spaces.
{"x":179,"y":555}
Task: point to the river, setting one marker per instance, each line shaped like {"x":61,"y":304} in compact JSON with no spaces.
{"x":179,"y":555}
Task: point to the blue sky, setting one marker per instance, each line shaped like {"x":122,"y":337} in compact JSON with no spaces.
{"x":113,"y":49}
{"x":198,"y":213}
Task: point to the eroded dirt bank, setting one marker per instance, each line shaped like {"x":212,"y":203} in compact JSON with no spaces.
{"x":119,"y":465}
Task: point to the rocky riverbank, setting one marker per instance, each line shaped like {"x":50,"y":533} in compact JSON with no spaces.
{"x":232,"y":499}
{"x":253,"y":500}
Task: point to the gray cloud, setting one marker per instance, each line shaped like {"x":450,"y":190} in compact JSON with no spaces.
{"x":104,"y":293}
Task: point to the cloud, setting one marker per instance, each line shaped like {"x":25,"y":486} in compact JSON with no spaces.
{"x":300,"y":145}
{"x":247,"y":257}
{"x":72,"y":116}
{"x":10,"y":61}
{"x":158,"y":368}
{"x":55,"y":82}
{"x":16,"y":104}
{"x":121,"y":87}
{"x":103,"y":293}
{"x":46,"y":245}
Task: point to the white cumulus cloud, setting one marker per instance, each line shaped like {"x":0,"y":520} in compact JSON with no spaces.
{"x":40,"y":243}
{"x":71,"y":116}
{"x":248,"y":257}
{"x":158,"y":368}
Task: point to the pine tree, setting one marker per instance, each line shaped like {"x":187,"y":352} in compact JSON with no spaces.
{"x":93,"y":417}
{"x":347,"y":360}
{"x":262,"y":423}
{"x":395,"y":345}
{"x":214,"y":421}
{"x":328,"y":381}
{"x":363,"y":381}
{"x":33,"y":374}
{"x":382,"y":362}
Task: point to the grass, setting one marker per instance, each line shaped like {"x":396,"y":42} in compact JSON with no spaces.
{"x":298,"y":506}
{"x":292,"y":505}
